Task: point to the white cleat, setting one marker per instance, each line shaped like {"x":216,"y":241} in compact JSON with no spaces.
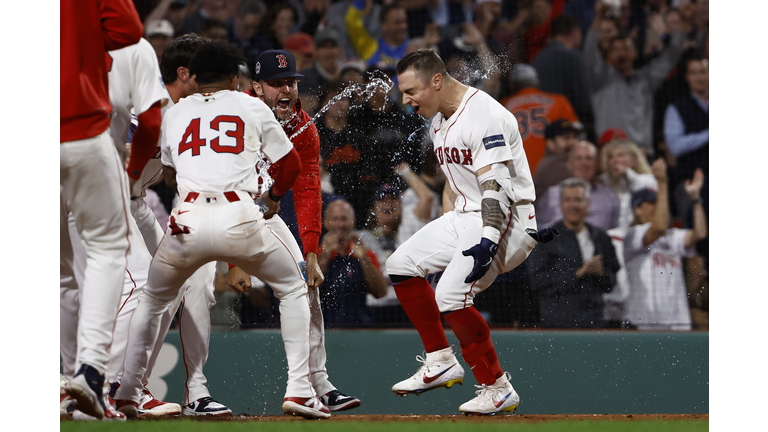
{"x":309,"y":408}
{"x":65,"y":401}
{"x":497,"y":398}
{"x":439,"y":369}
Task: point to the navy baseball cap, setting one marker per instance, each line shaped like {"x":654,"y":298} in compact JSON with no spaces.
{"x":276,"y":64}
{"x":644,"y":195}
{"x":561,"y":126}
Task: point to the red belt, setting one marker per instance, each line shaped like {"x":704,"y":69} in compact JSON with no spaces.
{"x":231,"y":196}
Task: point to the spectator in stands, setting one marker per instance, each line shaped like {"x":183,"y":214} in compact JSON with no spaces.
{"x":625,"y":170}
{"x":475,"y":64}
{"x":206,"y":10}
{"x":621,"y":95}
{"x":394,"y":135}
{"x":561,"y":70}
{"x":214,"y":30}
{"x":277,"y":23}
{"x":325,"y":67}
{"x":394,"y":43}
{"x":174,"y":11}
{"x":384,"y":219}
{"x":243,"y":30}
{"x":604,"y":206}
{"x":561,"y":135}
{"x":653,"y":253}
{"x":572,"y":273}
{"x":686,"y":129}
{"x":159,"y":34}
{"x":344,"y":147}
{"x":442,"y":13}
{"x":315,"y":12}
{"x":534,"y":110}
{"x":351,"y":269}
{"x":370,"y":15}
{"x":351,"y":71}
{"x":422,"y":201}
{"x":608,"y":28}
{"x":302,"y":46}
{"x":537,"y":32}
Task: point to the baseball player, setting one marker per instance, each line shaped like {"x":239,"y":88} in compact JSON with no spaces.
{"x":196,"y":299}
{"x":94,"y":183}
{"x":210,"y":145}
{"x":490,"y":230}
{"x":276,"y":84}
{"x":134,"y":85}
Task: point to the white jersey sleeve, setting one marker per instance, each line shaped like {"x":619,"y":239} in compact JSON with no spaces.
{"x":148,"y":86}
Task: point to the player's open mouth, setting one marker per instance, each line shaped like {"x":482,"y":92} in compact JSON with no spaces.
{"x":283,"y":103}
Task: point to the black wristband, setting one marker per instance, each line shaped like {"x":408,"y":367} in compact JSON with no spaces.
{"x":696,"y":201}
{"x":274,"y":197}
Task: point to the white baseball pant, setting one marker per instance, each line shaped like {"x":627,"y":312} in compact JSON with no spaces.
{"x":439,"y":245}
{"x":317,"y":353}
{"x":216,"y":229}
{"x":94,"y":181}
{"x":196,"y":298}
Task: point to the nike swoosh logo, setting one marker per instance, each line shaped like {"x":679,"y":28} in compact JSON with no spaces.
{"x":501,"y":402}
{"x":183,"y":211}
{"x":531,"y":216}
{"x":428,"y":380}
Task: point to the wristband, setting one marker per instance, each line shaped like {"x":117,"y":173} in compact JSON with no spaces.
{"x":696,"y":201}
{"x":273,"y":197}
{"x":491,"y":234}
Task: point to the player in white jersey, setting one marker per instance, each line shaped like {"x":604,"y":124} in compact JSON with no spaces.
{"x":490,"y":230}
{"x":196,"y":298}
{"x":134,"y":84}
{"x":210,"y":143}
{"x":653,"y":252}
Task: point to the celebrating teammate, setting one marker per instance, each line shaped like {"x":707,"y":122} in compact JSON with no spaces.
{"x":490,"y":230}
{"x":276,"y":85}
{"x":210,"y":145}
{"x":94,"y":182}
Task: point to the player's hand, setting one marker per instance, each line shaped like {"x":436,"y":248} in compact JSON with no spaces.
{"x":314,"y":274}
{"x":483,"y":254}
{"x":238,"y":280}
{"x":272,"y":206}
{"x":693,"y":186}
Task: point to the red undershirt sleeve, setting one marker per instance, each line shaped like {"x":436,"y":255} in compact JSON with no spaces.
{"x":145,"y":140}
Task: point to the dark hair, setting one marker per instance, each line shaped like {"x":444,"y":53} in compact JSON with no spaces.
{"x":424,"y":62}
{"x":211,"y":23}
{"x":386,"y":10}
{"x":690,"y":55}
{"x":216,"y":61}
{"x":563,"y":25}
{"x":265,"y":29}
{"x":178,"y":54}
{"x":246,"y":7}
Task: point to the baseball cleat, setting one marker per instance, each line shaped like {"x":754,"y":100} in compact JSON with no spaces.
{"x":206,"y":406}
{"x":86,"y":389}
{"x":338,"y":401}
{"x":439,"y":369}
{"x":309,"y":408}
{"x":127,"y":407}
{"x":149,"y":406}
{"x":110,"y":414}
{"x":497,"y":398}
{"x":65,"y":401}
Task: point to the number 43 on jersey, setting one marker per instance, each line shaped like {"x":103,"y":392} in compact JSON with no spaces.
{"x":192,"y":141}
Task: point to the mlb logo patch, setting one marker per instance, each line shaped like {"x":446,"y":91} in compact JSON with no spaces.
{"x":494,"y":141}
{"x":258,"y":67}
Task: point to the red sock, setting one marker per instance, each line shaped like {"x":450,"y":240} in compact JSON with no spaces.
{"x":476,"y":346}
{"x":418,"y":299}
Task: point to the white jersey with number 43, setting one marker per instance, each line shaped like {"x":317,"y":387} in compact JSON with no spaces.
{"x":481,"y":132}
{"x":213,"y":140}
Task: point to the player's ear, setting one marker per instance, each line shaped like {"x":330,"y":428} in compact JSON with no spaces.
{"x":258,"y":90}
{"x":183,"y":73}
{"x":437,"y":81}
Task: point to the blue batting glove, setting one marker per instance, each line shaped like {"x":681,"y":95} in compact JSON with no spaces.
{"x":483,"y":254}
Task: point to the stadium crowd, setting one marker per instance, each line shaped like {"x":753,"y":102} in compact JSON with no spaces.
{"x":611,"y":99}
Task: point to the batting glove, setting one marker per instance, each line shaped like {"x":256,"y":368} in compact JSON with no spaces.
{"x":483,"y":254}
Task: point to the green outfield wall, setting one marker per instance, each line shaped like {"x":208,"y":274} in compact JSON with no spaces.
{"x":555,"y":372}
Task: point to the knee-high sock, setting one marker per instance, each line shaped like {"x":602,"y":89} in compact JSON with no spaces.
{"x":418,"y":300}
{"x":476,"y":345}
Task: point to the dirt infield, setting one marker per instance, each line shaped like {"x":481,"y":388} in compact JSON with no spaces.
{"x":380,"y":418}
